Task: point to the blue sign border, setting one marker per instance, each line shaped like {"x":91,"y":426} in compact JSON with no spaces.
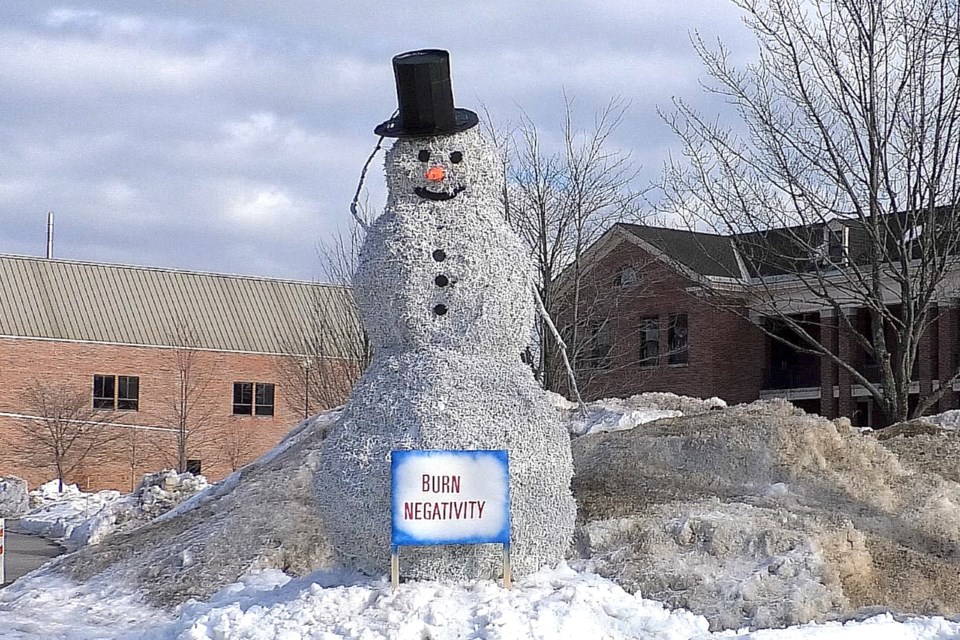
{"x":399,"y":537}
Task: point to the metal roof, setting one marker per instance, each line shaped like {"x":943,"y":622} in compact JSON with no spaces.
{"x":93,"y":302}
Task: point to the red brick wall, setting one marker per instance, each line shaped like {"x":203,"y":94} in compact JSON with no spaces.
{"x":725,"y":351}
{"x":25,"y":362}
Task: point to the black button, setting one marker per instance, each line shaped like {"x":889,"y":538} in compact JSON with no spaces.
{"x":442,"y":280}
{"x":440,"y":309}
{"x":423,"y":156}
{"x":439,"y":255}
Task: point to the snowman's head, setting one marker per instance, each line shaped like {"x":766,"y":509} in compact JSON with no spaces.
{"x":443,"y":169}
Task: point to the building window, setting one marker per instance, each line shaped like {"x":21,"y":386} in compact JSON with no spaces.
{"x":194,"y":467}
{"x":649,"y":341}
{"x":116,"y":392}
{"x":253,"y":398}
{"x":626,"y":276}
{"x":677,"y":338}
{"x":128,"y":393}
{"x":601,"y":344}
{"x":264,"y":399}
{"x":103,"y":392}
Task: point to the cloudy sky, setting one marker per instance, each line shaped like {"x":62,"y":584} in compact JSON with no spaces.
{"x":229,"y":136}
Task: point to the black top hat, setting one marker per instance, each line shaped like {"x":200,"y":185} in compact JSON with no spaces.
{"x":425,"y":98}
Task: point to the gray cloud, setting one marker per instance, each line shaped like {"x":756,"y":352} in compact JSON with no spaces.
{"x":228,"y":136}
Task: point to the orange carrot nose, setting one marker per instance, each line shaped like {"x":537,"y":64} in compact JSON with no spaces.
{"x":435,"y":174}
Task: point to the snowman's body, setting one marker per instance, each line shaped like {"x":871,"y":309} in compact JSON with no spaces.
{"x":443,"y":289}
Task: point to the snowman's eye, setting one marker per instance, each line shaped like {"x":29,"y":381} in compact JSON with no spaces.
{"x":456,"y":157}
{"x":424,"y":156}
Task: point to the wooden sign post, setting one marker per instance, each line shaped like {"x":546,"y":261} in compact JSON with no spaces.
{"x":441,"y":497}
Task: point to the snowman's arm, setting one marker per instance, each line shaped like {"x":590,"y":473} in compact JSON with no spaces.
{"x":542,"y":310}
{"x":356,"y":196}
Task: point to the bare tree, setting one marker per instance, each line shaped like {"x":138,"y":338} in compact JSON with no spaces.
{"x":841,"y":193}
{"x":324,"y":363}
{"x":64,"y":433}
{"x":185,"y":411}
{"x":133,"y":442}
{"x":560,"y":201}
{"x":237,"y":446}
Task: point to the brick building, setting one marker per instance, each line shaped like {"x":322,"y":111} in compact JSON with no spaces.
{"x":646,"y":324}
{"x":151,"y":354}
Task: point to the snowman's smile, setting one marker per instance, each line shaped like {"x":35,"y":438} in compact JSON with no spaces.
{"x":426,"y":194}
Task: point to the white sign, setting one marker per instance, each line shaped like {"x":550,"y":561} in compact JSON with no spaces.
{"x":450,"y":497}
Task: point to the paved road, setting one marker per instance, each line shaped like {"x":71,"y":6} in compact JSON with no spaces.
{"x":25,"y":553}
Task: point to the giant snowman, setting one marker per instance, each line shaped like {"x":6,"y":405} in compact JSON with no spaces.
{"x":444,"y":292}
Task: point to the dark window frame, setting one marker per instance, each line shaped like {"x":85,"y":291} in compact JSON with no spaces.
{"x":264,"y":397}
{"x":104,"y":391}
{"x":243,"y":398}
{"x":601,"y":344}
{"x":678,"y":338}
{"x":254,"y":399}
{"x":128,"y":393}
{"x":113,"y":392}
{"x":649,"y":341}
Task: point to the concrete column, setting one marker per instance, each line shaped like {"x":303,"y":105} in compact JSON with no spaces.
{"x":828,"y":370}
{"x":947,"y":339}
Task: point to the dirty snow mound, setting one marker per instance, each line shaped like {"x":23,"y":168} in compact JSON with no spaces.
{"x":867,"y":529}
{"x":263,"y":516}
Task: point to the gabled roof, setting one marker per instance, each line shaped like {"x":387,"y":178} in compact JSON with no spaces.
{"x":93,"y":302}
{"x":703,"y":253}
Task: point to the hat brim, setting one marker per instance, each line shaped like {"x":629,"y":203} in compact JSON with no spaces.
{"x":463,"y":119}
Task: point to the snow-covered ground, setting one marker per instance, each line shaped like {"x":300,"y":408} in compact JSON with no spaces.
{"x":268,"y":605}
{"x":564,"y":602}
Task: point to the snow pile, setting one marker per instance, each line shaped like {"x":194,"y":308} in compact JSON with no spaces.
{"x":156,"y":494}
{"x":263,"y":516}
{"x":754,"y":515}
{"x":49,"y":492}
{"x":620,"y":414}
{"x":946,"y":420}
{"x":604,"y":416}
{"x":13,"y":497}
{"x":268,"y":605}
{"x":75,"y":518}
{"x":58,"y":515}
{"x":559,"y":603}
{"x":762,"y":515}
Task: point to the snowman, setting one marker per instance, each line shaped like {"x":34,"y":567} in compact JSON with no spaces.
{"x":443,"y":288}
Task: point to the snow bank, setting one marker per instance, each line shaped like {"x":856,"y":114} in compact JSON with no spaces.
{"x":263,"y":516}
{"x":268,"y":605}
{"x":762,"y":515}
{"x":75,"y":518}
{"x":621,"y":414}
{"x":550,"y":604}
{"x":58,"y":515}
{"x":754,"y":515}
{"x":946,"y":420}
{"x":13,"y":497}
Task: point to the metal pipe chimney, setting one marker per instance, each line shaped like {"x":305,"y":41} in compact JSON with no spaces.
{"x":49,"y":235}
